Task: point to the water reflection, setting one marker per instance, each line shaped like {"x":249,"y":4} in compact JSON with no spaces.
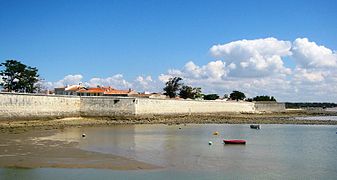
{"x":273,"y":150}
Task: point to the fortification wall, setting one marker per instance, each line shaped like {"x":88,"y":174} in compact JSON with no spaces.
{"x":269,"y":107}
{"x":32,"y":106}
{"x":161,"y":106}
{"x":106,"y":106}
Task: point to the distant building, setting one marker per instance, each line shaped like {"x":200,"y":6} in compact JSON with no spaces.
{"x":98,"y":91}
{"x":115,"y":92}
{"x":59,"y":91}
{"x":71,"y":90}
{"x":68,"y":90}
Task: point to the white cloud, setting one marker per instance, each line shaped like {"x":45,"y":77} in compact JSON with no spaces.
{"x":68,"y":80}
{"x":146,"y":83}
{"x":310,"y":55}
{"x":304,"y":75}
{"x":213,"y":70}
{"x":254,"y":58}
{"x":115,"y":81}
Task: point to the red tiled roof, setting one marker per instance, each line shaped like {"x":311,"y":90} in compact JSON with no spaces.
{"x":115,"y":91}
{"x":92,"y":90}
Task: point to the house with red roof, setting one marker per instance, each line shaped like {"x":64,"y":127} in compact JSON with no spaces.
{"x":93,"y":91}
{"x":115,"y":92}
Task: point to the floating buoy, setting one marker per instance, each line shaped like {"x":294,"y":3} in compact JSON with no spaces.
{"x":210,"y":142}
{"x":83,"y":135}
{"x":215,"y":133}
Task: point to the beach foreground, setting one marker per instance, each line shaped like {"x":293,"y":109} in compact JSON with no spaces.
{"x":23,"y":143}
{"x":31,"y":150}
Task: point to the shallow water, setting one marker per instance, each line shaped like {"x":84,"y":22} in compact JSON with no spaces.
{"x":331,"y":118}
{"x":274,"y":152}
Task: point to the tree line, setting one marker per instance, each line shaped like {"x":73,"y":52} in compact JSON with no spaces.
{"x":174,"y":88}
{"x":309,"y":105}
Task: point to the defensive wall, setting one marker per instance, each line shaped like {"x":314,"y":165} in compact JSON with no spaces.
{"x":27,"y":106}
{"x":269,"y":106}
{"x":33,"y":106}
{"x":167,"y":106}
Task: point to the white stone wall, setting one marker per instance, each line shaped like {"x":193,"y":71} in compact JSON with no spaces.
{"x":29,"y":106}
{"x":267,"y":106}
{"x":159,"y":106}
{"x":98,"y":106}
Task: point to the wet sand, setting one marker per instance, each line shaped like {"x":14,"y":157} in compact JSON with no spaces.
{"x":31,"y":150}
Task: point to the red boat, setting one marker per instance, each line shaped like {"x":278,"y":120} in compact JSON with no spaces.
{"x":234,"y":141}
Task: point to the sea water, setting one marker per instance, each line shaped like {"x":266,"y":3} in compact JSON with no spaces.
{"x":273,"y":152}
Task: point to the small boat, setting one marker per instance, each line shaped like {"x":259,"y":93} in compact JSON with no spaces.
{"x":253,"y":126}
{"x":234,"y":141}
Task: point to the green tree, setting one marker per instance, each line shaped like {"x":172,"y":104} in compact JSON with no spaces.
{"x":189,"y":92}
{"x":172,"y":86}
{"x":237,"y":95}
{"x":18,"y":77}
{"x":264,"y":98}
{"x":211,"y":97}
{"x":198,"y":94}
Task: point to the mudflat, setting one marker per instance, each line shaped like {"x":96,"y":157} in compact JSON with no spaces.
{"x":31,"y":150}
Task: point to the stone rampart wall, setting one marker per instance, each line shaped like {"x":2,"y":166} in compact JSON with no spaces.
{"x":106,"y":106}
{"x":269,"y":107}
{"x":165,"y":106}
{"x":29,"y":106}
{"x":32,"y":106}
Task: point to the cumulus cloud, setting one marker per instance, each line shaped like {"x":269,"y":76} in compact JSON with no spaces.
{"x":147,"y":84}
{"x":67,"y":80}
{"x":305,"y":75}
{"x":115,"y":81}
{"x":310,"y":55}
{"x":254,"y":58}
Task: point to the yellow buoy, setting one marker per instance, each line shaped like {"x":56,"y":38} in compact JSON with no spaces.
{"x":216,"y":133}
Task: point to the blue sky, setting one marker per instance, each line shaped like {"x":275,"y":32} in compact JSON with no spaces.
{"x":147,"y":38}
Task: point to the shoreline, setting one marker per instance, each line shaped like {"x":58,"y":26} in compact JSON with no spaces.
{"x":17,"y":126}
